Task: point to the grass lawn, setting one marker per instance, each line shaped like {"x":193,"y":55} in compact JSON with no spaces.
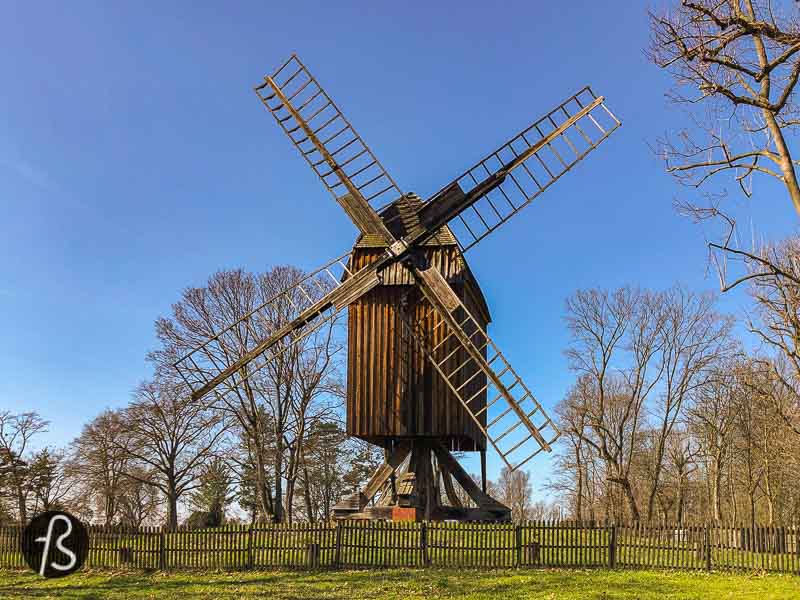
{"x":401,"y":583}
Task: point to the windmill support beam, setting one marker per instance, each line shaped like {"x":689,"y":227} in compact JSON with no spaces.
{"x":449,"y":488}
{"x":417,"y":492}
{"x":383,"y":474}
{"x":483,"y":471}
{"x":464,"y":480}
{"x":420,"y":496}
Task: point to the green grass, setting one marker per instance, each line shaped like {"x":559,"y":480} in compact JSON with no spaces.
{"x":395,"y":584}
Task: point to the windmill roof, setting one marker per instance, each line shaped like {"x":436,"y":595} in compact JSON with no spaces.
{"x":401,"y":218}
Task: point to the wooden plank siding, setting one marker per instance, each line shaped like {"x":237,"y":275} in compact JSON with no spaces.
{"x":392,"y":390}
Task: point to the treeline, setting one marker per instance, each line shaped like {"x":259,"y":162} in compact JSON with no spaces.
{"x":138,"y":465}
{"x":669,"y":419}
{"x":274,"y":447}
{"x":271,"y":447}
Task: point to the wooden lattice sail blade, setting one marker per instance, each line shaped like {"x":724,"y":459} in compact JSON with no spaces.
{"x":232,"y":356}
{"x":511,"y":177}
{"x":330,"y":145}
{"x":504,"y":408}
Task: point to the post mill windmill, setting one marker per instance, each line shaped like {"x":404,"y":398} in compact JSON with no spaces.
{"x":423,"y":379}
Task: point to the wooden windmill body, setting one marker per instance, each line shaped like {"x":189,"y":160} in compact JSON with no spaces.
{"x":395,"y":398}
{"x":423,"y":377}
{"x":393,"y":392}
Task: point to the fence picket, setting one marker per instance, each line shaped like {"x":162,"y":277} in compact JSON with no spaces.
{"x":537,"y":543}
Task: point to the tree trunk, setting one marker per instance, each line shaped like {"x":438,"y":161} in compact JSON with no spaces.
{"x":278,"y":501}
{"x":770,"y":500}
{"x":579,"y":491}
{"x":626,"y":487}
{"x":732,"y":491}
{"x":172,"y":506}
{"x":716,"y":484}
{"x":261,"y":480}
{"x":110,"y":508}
{"x":651,"y":499}
{"x":679,"y":505}
{"x":22,"y":504}
{"x":290,"y":487}
{"x":785,"y":163}
{"x":307,"y":484}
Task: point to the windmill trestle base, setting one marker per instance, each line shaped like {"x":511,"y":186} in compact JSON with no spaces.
{"x":411,"y":486}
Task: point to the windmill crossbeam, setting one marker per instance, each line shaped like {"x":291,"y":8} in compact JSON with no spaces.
{"x":446,"y":304}
{"x":209,"y":364}
{"x":521,"y":169}
{"x":332,"y":303}
{"x":301,"y":101}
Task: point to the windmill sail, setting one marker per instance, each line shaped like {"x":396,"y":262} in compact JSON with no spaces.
{"x":512,"y":419}
{"x":475,"y":204}
{"x":330,"y":145}
{"x":521,"y":169}
{"x":244,"y":348}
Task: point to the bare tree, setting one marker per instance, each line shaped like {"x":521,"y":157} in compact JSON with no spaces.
{"x":639,"y":356}
{"x":728,"y":455}
{"x":711,"y":418}
{"x":199,"y":315}
{"x":514,"y":489}
{"x":300,"y":387}
{"x":681,"y":451}
{"x":693,"y":338}
{"x":168,"y":437}
{"x":747,"y":448}
{"x":317,"y":396}
{"x":573,"y":420}
{"x":16,"y":433}
{"x":776,"y":293}
{"x":294,"y":389}
{"x":139,"y":501}
{"x":606,"y":328}
{"x":737,"y":63}
{"x":98,"y":462}
{"x":50,"y":482}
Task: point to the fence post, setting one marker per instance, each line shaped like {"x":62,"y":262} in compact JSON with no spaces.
{"x":518,"y":536}
{"x":337,"y":559}
{"x":612,"y":547}
{"x":707,"y":544}
{"x":424,"y":541}
{"x":250,"y":560}
{"x":162,"y":550}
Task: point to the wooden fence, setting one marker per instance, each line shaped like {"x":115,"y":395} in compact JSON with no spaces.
{"x":354,"y":544}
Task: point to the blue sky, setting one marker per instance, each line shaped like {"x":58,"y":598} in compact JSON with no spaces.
{"x":135,"y":160}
